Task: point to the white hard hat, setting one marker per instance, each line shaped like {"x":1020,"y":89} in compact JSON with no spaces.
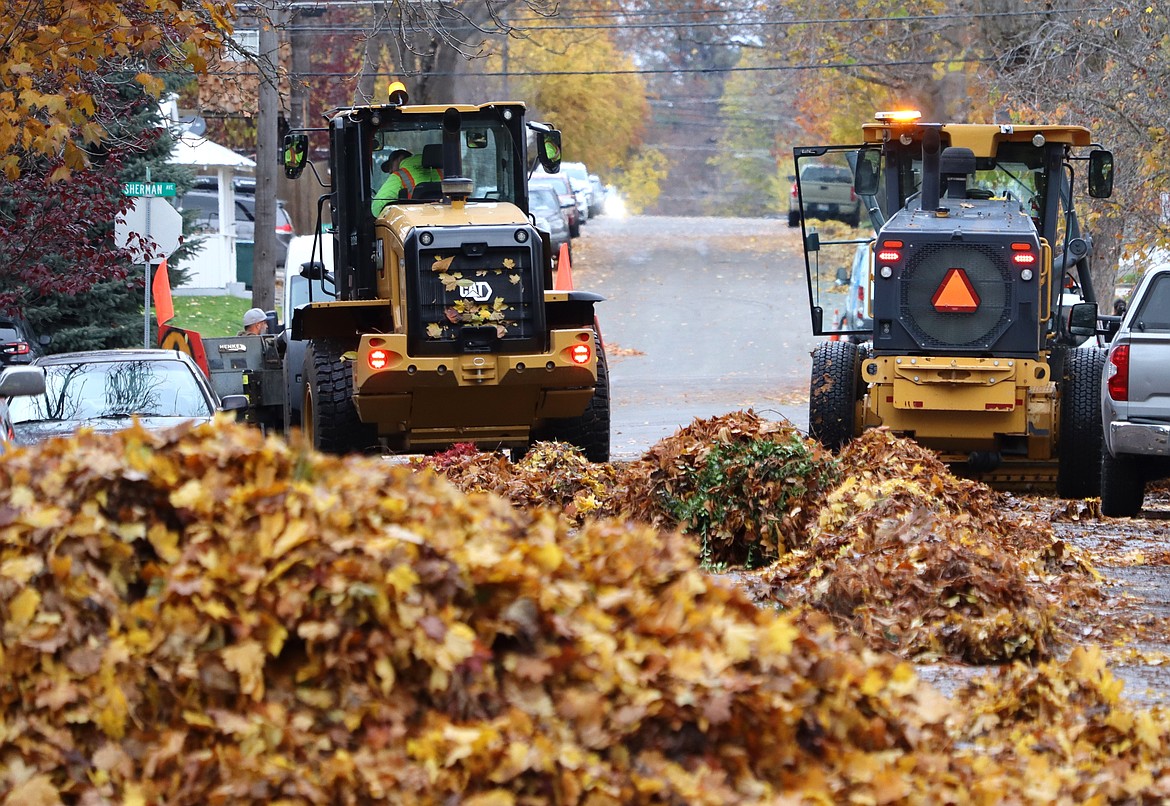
{"x":254,"y":316}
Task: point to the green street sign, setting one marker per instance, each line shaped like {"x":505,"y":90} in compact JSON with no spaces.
{"x":148,"y":189}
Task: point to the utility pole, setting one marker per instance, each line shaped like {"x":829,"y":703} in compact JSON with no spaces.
{"x":267,"y":162}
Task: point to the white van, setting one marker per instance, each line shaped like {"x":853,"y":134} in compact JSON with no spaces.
{"x":296,"y":287}
{"x":296,"y":294}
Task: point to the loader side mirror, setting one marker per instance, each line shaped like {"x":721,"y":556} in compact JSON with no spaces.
{"x":548,"y":150}
{"x":313,"y":270}
{"x":1100,"y":174}
{"x":865,"y":175}
{"x":294,"y":154}
{"x":1082,"y":319}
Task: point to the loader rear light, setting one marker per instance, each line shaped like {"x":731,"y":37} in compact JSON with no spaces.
{"x":380,"y":359}
{"x":580,"y":353}
{"x":1117,"y":372}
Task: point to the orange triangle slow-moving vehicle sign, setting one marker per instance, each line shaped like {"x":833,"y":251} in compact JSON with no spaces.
{"x":955,"y":294}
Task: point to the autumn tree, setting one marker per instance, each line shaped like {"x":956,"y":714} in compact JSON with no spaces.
{"x":1108,"y":70}
{"x":63,"y":72}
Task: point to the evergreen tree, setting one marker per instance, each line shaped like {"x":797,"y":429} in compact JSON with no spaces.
{"x":109,"y":313}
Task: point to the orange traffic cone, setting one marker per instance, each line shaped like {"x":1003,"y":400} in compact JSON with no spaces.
{"x":564,"y":280}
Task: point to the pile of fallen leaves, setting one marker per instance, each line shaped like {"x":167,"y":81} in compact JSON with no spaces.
{"x":552,"y":475}
{"x":217,"y":618}
{"x":746,"y":488}
{"x":225,"y":619}
{"x":928,"y":565}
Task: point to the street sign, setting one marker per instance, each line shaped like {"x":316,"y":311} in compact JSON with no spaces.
{"x":153,"y":219}
{"x":149,"y":189}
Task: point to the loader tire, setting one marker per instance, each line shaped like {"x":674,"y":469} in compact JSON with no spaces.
{"x":1079,"y":443}
{"x":329,"y":416}
{"x":832,"y":399}
{"x":590,"y":430}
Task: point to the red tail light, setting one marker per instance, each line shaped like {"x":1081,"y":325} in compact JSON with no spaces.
{"x":1118,"y":372}
{"x":794,"y":191}
{"x":580,"y":353}
{"x":284,"y":229}
{"x":890,"y":252}
{"x":852,"y":194}
{"x":15,"y":348}
{"x":380,"y":359}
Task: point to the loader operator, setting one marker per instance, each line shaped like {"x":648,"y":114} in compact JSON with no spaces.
{"x":406,"y":172}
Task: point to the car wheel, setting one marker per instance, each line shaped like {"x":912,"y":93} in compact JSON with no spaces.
{"x":590,"y":430}
{"x":328,"y":414}
{"x":1079,"y":444}
{"x":832,"y":400}
{"x":1123,"y":485}
{"x":793,"y":219}
{"x":854,"y":218}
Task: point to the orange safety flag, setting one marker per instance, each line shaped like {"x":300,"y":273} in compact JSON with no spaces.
{"x":160,"y":289}
{"x":955,"y":294}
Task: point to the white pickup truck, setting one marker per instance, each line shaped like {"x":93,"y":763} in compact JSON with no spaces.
{"x":825,"y":191}
{"x":1135,"y":398}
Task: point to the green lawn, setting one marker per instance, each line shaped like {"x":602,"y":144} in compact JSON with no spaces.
{"x":210,"y":316}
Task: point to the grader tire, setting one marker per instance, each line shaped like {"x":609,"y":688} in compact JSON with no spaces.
{"x":832,"y":400}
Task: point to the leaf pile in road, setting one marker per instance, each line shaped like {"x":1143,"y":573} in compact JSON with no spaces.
{"x":224,"y":619}
{"x":217,"y":618}
{"x":927,"y":565}
{"x":1067,"y":725}
{"x":746,"y":487}
{"x":553,"y":475}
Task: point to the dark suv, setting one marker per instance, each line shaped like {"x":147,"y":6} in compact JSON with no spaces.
{"x":18,"y":344}
{"x":204,"y":200}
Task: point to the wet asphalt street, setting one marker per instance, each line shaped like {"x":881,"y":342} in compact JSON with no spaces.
{"x":702,"y":316}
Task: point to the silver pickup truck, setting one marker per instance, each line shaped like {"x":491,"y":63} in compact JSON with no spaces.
{"x":1135,"y":398}
{"x":826,"y":191}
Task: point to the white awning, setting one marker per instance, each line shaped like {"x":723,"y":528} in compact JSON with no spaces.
{"x":203,"y":153}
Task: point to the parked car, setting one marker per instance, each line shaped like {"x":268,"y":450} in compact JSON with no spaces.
{"x":206,"y":204}
{"x":855,"y":315}
{"x":1135,"y":398}
{"x":564,"y":190}
{"x":827,"y":192}
{"x":546,"y":209}
{"x":581,"y":194}
{"x":16,"y":382}
{"x":598,"y":195}
{"x":105,"y":389}
{"x":18,"y":344}
{"x":577,"y":172}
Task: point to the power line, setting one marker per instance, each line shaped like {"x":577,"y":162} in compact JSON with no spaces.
{"x":543,"y":25}
{"x":634,"y":72}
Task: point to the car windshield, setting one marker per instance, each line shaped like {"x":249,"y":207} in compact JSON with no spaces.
{"x":487,"y":150}
{"x":543,"y":199}
{"x":114,"y":389}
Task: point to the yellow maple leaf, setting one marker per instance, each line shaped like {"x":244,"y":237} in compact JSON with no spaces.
{"x":247,"y":660}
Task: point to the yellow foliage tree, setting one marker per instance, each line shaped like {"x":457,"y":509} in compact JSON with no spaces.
{"x":575,"y":82}
{"x":54,"y":58}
